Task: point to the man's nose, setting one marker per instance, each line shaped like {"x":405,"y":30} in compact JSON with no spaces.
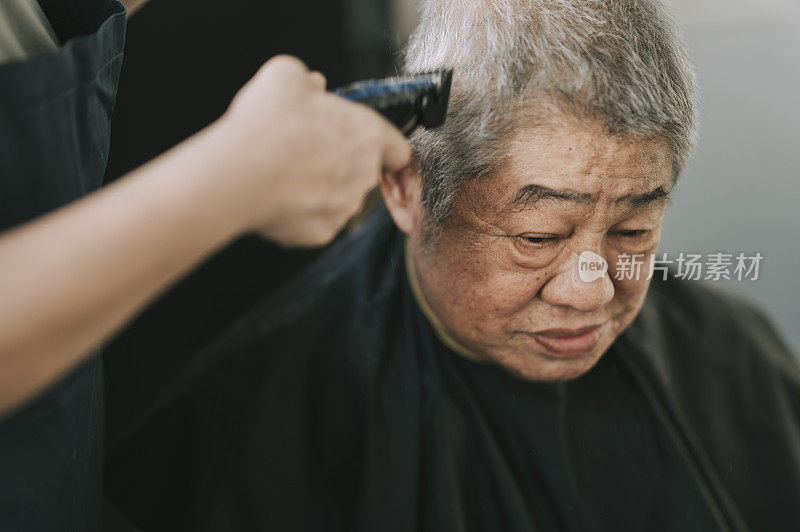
{"x":567,"y":289}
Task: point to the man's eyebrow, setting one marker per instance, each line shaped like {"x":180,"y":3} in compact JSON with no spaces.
{"x":530,"y":194}
{"x":637,"y":201}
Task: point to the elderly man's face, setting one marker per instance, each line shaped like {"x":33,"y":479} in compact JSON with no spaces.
{"x":503,"y":276}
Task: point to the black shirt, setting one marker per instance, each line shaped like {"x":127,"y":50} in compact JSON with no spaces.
{"x":585,"y":455}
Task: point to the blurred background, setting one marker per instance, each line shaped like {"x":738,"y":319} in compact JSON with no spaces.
{"x":741,"y":192}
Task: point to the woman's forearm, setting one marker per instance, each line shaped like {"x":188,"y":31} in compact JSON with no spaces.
{"x":70,"y":279}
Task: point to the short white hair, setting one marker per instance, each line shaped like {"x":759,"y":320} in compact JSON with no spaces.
{"x":620,"y":61}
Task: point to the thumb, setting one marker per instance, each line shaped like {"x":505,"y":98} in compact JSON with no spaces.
{"x":396,"y":151}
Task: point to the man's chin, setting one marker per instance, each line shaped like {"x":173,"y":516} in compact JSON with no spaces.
{"x":542,"y":367}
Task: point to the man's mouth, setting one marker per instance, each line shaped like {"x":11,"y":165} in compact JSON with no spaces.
{"x":565,"y":343}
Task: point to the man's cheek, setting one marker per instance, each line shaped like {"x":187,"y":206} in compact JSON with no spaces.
{"x":630,"y":293}
{"x":498,"y":306}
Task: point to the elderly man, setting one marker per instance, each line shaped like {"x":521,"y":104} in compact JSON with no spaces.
{"x":447,"y":367}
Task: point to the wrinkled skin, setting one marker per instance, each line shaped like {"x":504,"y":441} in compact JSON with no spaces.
{"x":498,"y":272}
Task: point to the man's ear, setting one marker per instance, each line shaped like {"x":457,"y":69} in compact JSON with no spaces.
{"x":402,"y":192}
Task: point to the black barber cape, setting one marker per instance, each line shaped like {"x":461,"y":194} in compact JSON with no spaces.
{"x":334,"y":406}
{"x":55,"y":111}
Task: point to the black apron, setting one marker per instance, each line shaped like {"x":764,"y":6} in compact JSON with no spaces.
{"x":55,"y":111}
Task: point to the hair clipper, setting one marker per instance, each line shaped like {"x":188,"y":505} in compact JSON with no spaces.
{"x":406,"y":101}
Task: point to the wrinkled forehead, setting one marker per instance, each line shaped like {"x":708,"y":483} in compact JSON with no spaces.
{"x":580,"y":165}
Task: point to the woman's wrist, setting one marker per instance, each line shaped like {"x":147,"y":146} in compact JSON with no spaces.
{"x":232,"y":183}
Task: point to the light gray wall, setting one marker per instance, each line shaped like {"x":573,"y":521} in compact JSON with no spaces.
{"x":741,"y":192}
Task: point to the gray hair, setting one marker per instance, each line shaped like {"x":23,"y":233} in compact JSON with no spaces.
{"x":518,"y":62}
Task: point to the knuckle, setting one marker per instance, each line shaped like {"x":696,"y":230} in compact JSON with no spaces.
{"x":318,"y":77}
{"x":285,"y":63}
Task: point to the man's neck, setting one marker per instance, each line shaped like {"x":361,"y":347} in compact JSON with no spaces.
{"x":436,"y":324}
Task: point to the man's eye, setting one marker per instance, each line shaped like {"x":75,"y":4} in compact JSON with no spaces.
{"x":536,"y":241}
{"x":633,"y":233}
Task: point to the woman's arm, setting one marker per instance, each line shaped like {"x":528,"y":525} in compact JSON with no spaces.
{"x":287,"y":159}
{"x":133,"y":5}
